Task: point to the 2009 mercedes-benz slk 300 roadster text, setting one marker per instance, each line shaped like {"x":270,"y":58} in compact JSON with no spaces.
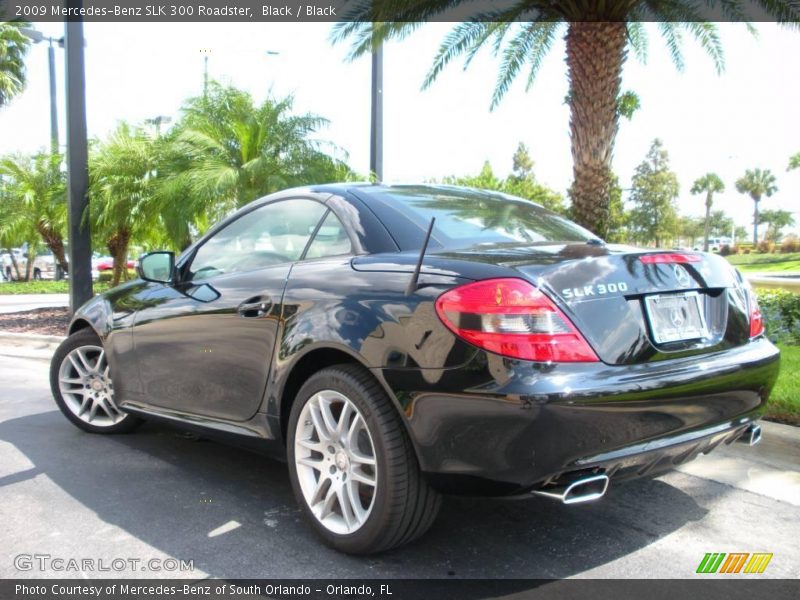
{"x":397,"y":342}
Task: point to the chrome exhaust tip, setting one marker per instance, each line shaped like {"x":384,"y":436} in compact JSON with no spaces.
{"x":751,"y":435}
{"x":584,"y":489}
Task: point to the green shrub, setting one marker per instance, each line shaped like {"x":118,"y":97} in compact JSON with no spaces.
{"x":781,"y":312}
{"x":107,"y":275}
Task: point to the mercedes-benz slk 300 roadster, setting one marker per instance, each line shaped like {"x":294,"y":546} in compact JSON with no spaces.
{"x":393,"y":343}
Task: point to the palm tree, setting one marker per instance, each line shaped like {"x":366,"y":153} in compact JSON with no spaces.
{"x":598,"y":36}
{"x":794,"y":162}
{"x":121,"y":171}
{"x":776,"y":220}
{"x":756,"y":183}
{"x":14,"y":228}
{"x":40,"y":185}
{"x":227,"y":151}
{"x":13,"y":48}
{"x":710,"y":184}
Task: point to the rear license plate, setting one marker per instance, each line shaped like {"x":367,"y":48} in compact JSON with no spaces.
{"x":676,"y":317}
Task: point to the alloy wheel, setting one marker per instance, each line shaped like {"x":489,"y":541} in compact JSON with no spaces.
{"x":86,"y":387}
{"x":336,"y":463}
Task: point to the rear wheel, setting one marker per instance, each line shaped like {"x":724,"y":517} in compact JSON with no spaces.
{"x":352,"y":466}
{"x":80,"y":380}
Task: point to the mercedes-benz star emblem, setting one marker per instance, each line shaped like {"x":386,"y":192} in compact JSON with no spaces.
{"x":681,"y":276}
{"x":676,"y":316}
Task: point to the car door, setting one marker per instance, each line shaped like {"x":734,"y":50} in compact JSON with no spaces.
{"x":204,"y":344}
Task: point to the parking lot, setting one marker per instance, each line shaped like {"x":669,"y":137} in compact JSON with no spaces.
{"x":160,"y":494}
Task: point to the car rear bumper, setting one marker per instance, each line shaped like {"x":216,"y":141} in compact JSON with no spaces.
{"x":498,"y":426}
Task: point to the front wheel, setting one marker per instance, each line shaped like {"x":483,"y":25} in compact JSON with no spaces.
{"x":80,"y":380}
{"x":352,"y":466}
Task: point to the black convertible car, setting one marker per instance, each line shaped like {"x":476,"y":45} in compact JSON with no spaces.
{"x":396,"y":342}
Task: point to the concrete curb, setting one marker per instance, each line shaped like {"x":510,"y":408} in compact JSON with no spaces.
{"x":28,"y":345}
{"x":773,"y":283}
{"x":11,"y":336}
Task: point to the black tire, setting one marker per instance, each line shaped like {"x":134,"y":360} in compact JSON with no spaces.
{"x":84,"y":337}
{"x":404,"y":505}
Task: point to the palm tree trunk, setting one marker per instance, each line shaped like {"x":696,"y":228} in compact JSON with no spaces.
{"x":187,"y":241}
{"x":755,"y":223}
{"x":14,"y":264}
{"x":708,"y":222}
{"x":595,"y":56}
{"x":54,"y":242}
{"x":29,"y":262}
{"x":117,"y":246}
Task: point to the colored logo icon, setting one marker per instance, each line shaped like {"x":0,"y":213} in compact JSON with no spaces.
{"x":734,"y":562}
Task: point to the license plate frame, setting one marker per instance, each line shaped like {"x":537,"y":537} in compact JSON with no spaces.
{"x":676,"y":317}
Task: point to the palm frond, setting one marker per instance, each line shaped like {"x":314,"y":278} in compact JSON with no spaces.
{"x":541,"y":46}
{"x":462,"y":38}
{"x":707,"y":35}
{"x":673,"y":39}
{"x":637,"y":39}
{"x":529,"y":45}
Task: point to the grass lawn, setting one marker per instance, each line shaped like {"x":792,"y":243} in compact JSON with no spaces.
{"x":766,"y":262}
{"x":784,"y":403}
{"x":44,"y":287}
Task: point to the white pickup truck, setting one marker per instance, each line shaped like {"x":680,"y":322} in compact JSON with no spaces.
{"x":43,"y":267}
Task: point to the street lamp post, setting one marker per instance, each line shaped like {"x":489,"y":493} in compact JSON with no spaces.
{"x":376,"y":115}
{"x":80,"y":248}
{"x":205,"y":52}
{"x":51,"y":60}
{"x":37,"y":37}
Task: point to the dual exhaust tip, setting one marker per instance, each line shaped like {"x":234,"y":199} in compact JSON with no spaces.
{"x":751,"y":435}
{"x":584,"y":489}
{"x":594,"y":487}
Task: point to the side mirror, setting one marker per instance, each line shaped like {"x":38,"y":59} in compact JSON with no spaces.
{"x":156,"y":266}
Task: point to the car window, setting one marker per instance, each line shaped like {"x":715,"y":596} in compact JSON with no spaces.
{"x":272,"y":234}
{"x":467,"y":217}
{"x":331,"y":239}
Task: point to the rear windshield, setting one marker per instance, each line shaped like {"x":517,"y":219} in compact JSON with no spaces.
{"x":466,"y":217}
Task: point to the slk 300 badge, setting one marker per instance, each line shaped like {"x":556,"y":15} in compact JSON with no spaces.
{"x":594,"y":290}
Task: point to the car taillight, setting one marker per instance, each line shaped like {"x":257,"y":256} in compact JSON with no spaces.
{"x":512,"y":318}
{"x":669,"y":257}
{"x":756,"y":320}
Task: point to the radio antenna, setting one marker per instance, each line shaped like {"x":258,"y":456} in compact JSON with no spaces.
{"x":412,"y":285}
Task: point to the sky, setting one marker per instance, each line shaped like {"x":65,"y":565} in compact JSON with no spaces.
{"x":746,"y":117}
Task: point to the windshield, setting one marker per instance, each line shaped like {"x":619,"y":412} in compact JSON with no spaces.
{"x":466,"y":217}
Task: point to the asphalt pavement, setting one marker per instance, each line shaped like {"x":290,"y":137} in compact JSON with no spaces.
{"x":159,"y":494}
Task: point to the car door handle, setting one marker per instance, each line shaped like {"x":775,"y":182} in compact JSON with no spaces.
{"x":255,"y":307}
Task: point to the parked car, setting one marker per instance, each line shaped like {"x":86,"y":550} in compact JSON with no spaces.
{"x":715,"y":244}
{"x":396,"y":342}
{"x":43,"y":267}
{"x":106,"y":263}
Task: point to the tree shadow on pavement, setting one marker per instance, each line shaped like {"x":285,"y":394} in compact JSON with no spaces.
{"x":171,"y":492}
